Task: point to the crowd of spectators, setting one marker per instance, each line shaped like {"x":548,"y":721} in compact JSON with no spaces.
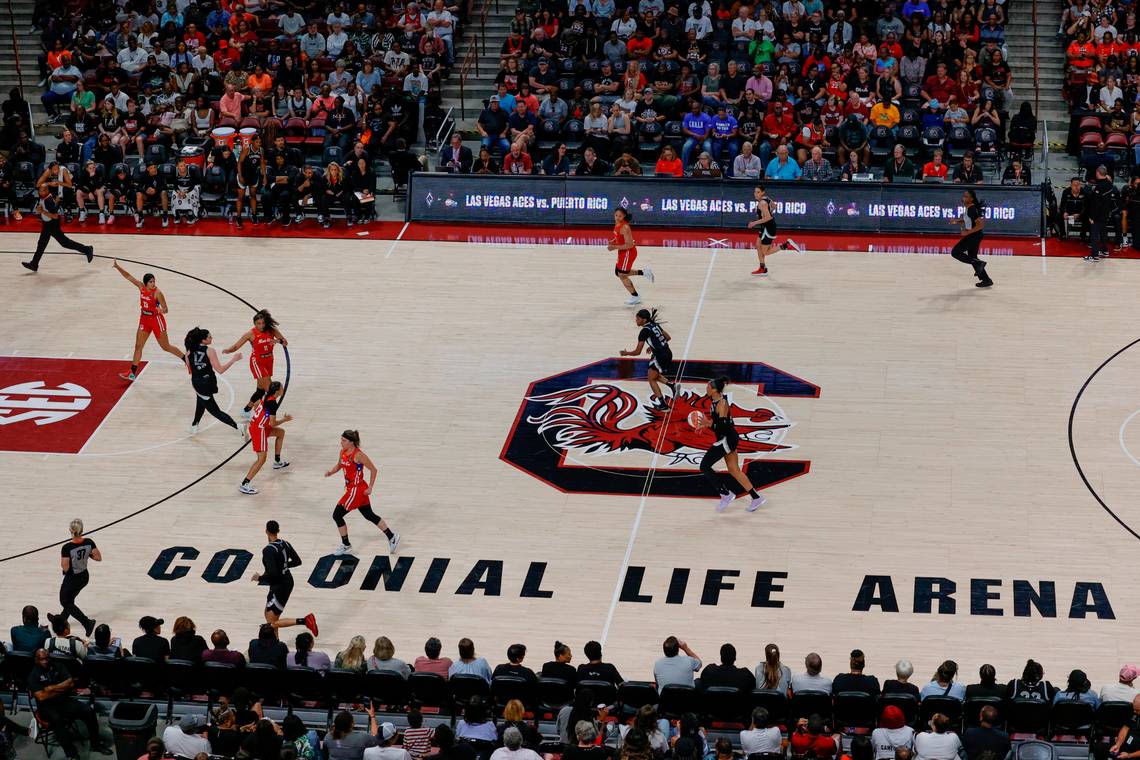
{"x":323,"y":83}
{"x":722,"y":87}
{"x":579,"y":728}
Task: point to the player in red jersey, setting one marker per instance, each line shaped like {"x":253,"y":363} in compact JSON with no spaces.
{"x":153,"y":305}
{"x":623,"y":243}
{"x":357,"y":494}
{"x":261,"y":338}
{"x":265,"y":425}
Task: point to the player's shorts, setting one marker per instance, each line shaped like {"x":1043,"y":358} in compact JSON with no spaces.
{"x":354,"y":497}
{"x":767,"y":233}
{"x":625,"y":260}
{"x":259,"y":436}
{"x":155,"y":324}
{"x":261,"y":366}
{"x":278,"y":595}
{"x":728,"y":443}
{"x":253,"y":187}
{"x":662,"y":361}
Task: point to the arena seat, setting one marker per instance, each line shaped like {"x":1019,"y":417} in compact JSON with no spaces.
{"x":343,"y":687}
{"x":908,"y":703}
{"x":464,"y":686}
{"x":266,"y":681}
{"x":506,"y":688}
{"x":631,"y":694}
{"x":304,"y":687}
{"x":431,"y":691}
{"x":1071,"y":720}
{"x":972,"y":710}
{"x":724,"y":704}
{"x":775,"y":702}
{"x":804,"y":704}
{"x":948,"y":706}
{"x":678,"y":699}
{"x":856,"y":712}
{"x":386,"y":688}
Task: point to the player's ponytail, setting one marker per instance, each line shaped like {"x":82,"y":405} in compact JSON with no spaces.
{"x":195,"y":337}
{"x":649,"y":315}
{"x":720,"y":383}
{"x":352,"y":436}
{"x":267,"y":318}
{"x":273,"y":389}
{"x":625,"y":214}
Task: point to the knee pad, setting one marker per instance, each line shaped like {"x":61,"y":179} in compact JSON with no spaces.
{"x":338,"y":516}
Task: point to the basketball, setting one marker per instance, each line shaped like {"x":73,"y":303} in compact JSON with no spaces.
{"x":696,"y":420}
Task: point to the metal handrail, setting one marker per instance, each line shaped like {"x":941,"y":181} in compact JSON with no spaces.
{"x":445,"y":129}
{"x":471,"y":59}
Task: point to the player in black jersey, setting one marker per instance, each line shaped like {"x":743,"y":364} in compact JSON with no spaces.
{"x":203,"y":363}
{"x":661,"y":356}
{"x":278,"y":558}
{"x":250,"y":179}
{"x":720,"y":420}
{"x":765,"y":226}
{"x":973,"y":222}
{"x":74,"y":556}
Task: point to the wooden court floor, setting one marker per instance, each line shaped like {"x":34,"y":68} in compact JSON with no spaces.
{"x":926,"y":503}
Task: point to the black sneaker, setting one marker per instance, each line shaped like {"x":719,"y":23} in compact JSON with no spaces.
{"x":90,"y":257}
{"x":89,"y":628}
{"x":238,"y":222}
{"x":984,"y":283}
{"x":29,"y":265}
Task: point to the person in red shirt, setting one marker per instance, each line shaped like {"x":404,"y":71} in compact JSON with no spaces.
{"x":517,"y":161}
{"x":939,"y":86}
{"x":935,"y":167}
{"x":1081,"y":53}
{"x":811,"y":736}
{"x":639,"y":46}
{"x":779,"y":126}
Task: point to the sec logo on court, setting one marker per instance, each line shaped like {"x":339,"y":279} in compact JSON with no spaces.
{"x":593,"y":430}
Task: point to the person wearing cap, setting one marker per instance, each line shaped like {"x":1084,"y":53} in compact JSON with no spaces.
{"x":386,"y":736}
{"x":1123,"y":690}
{"x":892,"y":733}
{"x":53,"y":689}
{"x":151,"y":644}
{"x":188,"y":737}
{"x":542,"y":76}
{"x":493,"y":127}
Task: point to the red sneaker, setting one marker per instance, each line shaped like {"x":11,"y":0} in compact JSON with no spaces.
{"x":311,"y":624}
{"x":761,"y":272}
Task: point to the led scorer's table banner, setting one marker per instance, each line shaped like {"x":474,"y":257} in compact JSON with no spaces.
{"x":665,"y":202}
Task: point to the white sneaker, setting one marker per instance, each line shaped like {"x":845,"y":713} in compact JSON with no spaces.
{"x":725,"y":500}
{"x":193,"y":430}
{"x":247,"y":489}
{"x":165,"y":222}
{"x":102,"y":218}
{"x":342,"y":549}
{"x":393,"y":542}
{"x":756,"y":504}
{"x":138,"y":222}
{"x":647,"y":273}
{"x":795,"y":246}
{"x":177,"y":219}
{"x":280,"y":465}
{"x":82,"y":215}
{"x":632,"y":300}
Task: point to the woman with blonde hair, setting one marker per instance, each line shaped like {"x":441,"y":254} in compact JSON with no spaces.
{"x":352,"y":658}
{"x":514,"y":716}
{"x":186,"y":644}
{"x":383,"y":658}
{"x":336,"y":192}
{"x":74,"y":556}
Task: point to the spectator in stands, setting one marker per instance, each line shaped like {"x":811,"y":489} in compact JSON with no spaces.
{"x":266,"y":649}
{"x":761,"y":737}
{"x":1072,"y":209}
{"x":726,"y":673}
{"x":939,"y":743}
{"x":1031,"y":685}
{"x":53,"y":689}
{"x":811,"y":680}
{"x":303,"y":655}
{"x":553,"y":108}
{"x":560,"y":666}
{"x":132,"y":58}
{"x":1100,"y":157}
{"x":62,"y":642}
{"x":455,"y":158}
{"x":696,"y":127}
{"x":591,"y":165}
{"x":771,"y":674}
{"x":935,"y":169}
{"x":342,"y":742}
{"x":516,"y":653}
{"x":188,"y":737}
{"x":747,"y":165}
{"x":885,"y":114}
{"x":417,"y":737}
{"x":968,"y":172}
{"x":151,"y":644}
{"x":493,"y":127}
{"x":386,"y":735}
{"x":987,"y":686}
{"x":586,"y":746}
{"x":984,"y":739}
{"x":186,"y":644}
{"x":29,"y":635}
{"x":779,"y":126}
{"x":677,"y":665}
{"x":469,"y":663}
{"x":855,"y":679}
{"x":811,"y":736}
{"x":64,"y":80}
{"x":431,"y":661}
{"x":943,"y":683}
{"x":1017,"y":173}
{"x":1079,"y":689}
{"x":475,"y":723}
{"x":899,"y":167}
{"x":783,"y":166}
{"x":102,"y":645}
{"x":853,"y":137}
{"x":892,"y":733}
{"x":352,"y":657}
{"x":594,"y":669}
{"x":514,"y":716}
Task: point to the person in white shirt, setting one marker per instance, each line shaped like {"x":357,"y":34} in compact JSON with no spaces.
{"x":313,"y":42}
{"x":892,"y":733}
{"x":132,"y":58}
{"x":675,"y":667}
{"x":386,"y":733}
{"x":187,"y":738}
{"x":939,"y":743}
{"x":1110,"y":93}
{"x":396,"y":61}
{"x":291,"y":24}
{"x":760,"y":737}
{"x":336,"y":40}
{"x":701,"y":25}
{"x":747,"y":164}
{"x":811,"y":680}
{"x":1123,"y":690}
{"x":743,"y":27}
{"x":416,"y":82}
{"x":202,"y":62}
{"x":441,"y":21}
{"x":338,"y":16}
{"x":512,"y":748}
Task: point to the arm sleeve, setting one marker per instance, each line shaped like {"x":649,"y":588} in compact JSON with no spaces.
{"x":270,"y":573}
{"x":293,"y":559}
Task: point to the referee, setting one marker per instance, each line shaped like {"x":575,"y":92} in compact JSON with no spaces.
{"x":1100,"y":205}
{"x":74,"y":556}
{"x":48,"y":209}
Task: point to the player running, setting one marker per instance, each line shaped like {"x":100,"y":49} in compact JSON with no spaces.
{"x":263,"y":426}
{"x":661,"y":356}
{"x":623,"y":243}
{"x":261,"y":338}
{"x":765,"y":226}
{"x":278,"y":558}
{"x":203,"y":363}
{"x":720,"y":420}
{"x":153,"y":305}
{"x":357,"y":494}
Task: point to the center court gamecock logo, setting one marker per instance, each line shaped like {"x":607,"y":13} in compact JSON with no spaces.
{"x":593,"y":429}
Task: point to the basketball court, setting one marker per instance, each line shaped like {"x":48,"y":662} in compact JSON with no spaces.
{"x":948,"y":472}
